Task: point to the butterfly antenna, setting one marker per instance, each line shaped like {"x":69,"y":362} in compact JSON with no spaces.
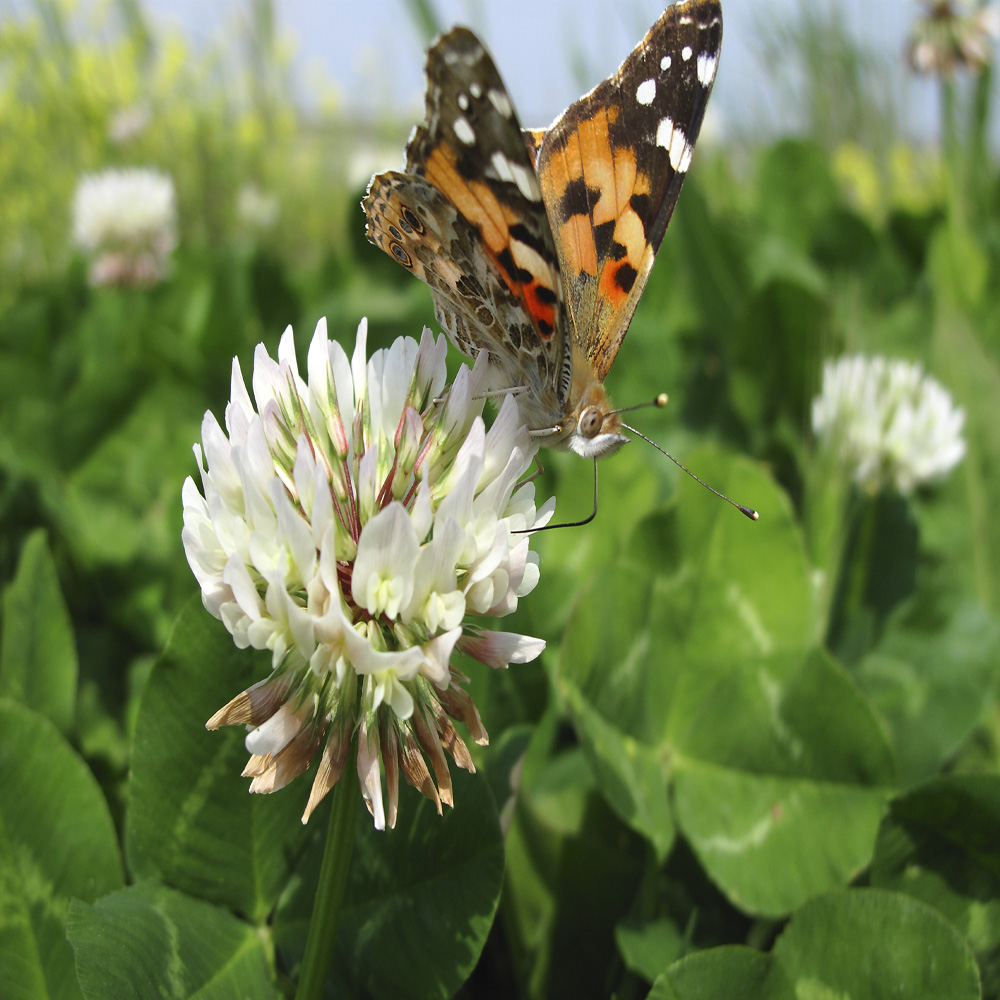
{"x":567,"y":524}
{"x":746,"y":511}
{"x":659,"y":402}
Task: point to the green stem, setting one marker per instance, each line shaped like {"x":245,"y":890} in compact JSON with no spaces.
{"x":332,"y":882}
{"x":953,"y":158}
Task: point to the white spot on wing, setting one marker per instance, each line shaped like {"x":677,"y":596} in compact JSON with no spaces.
{"x":646,"y":91}
{"x":665,"y":63}
{"x":526,"y":181}
{"x":707,"y":65}
{"x":686,"y":53}
{"x":463,"y":101}
{"x":680,"y":151}
{"x":475,"y":90}
{"x":664,"y":132}
{"x":674,"y":141}
{"x":516,"y":173}
{"x":501,"y":102}
{"x":464,"y":131}
{"x":501,"y":166}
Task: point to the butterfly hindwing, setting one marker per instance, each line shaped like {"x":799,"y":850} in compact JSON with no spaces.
{"x":612,"y":165}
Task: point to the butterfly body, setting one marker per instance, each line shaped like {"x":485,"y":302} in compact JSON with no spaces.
{"x":537,"y":244}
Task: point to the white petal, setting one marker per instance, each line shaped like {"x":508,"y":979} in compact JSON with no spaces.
{"x":370,"y":773}
{"x":275,"y":734}
{"x":382,"y":579}
{"x":437,"y":657}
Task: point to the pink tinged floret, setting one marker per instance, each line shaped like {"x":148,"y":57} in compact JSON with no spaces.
{"x":498,"y":649}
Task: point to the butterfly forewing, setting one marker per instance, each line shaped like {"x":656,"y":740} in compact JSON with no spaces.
{"x":611,"y":168}
{"x":471,"y":150}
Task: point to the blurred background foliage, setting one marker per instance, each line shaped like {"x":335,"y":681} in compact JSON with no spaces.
{"x":648,"y":741}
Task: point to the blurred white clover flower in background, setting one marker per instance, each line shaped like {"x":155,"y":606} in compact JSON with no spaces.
{"x":128,"y":123}
{"x":126,"y":221}
{"x":952,"y":35}
{"x":257,"y":210}
{"x":890,"y":424}
{"x":349,"y":524}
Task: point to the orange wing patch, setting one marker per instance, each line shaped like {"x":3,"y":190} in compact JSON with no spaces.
{"x":592,"y":185}
{"x":525,"y":272}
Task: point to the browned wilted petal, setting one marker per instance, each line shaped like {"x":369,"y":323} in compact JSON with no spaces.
{"x":451,"y":741}
{"x":257,"y":765}
{"x":390,"y":762}
{"x":289,"y":762}
{"x":458,"y":703}
{"x":332,"y":762}
{"x":255,"y":705}
{"x":431,"y":745}
{"x":415,"y":771}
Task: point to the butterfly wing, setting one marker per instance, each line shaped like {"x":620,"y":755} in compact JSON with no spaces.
{"x":482,"y":242}
{"x":612,"y":165}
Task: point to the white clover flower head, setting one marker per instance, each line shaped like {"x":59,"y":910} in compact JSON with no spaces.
{"x":953,"y":35}
{"x":348,"y":523}
{"x":127,"y":221}
{"x":891,"y":424}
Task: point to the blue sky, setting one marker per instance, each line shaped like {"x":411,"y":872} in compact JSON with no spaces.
{"x":548,"y":51}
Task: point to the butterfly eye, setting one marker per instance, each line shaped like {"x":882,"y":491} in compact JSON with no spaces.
{"x":412,"y":221}
{"x":591,"y":422}
{"x":401,"y":255}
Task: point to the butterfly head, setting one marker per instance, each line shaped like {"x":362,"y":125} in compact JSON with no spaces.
{"x":596,"y":428}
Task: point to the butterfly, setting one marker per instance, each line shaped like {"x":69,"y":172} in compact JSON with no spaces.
{"x":537,"y":244}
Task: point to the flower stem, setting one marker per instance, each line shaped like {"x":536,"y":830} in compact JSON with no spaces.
{"x":332,"y":882}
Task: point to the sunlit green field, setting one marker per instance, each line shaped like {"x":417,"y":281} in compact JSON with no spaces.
{"x":755,"y":759}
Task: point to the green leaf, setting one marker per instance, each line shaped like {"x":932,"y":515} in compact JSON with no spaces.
{"x":57,"y":842}
{"x":970,"y":371}
{"x":123,"y":502}
{"x":648,"y":946}
{"x":939,"y":844}
{"x":631,"y":774}
{"x":714,"y":974}
{"x":38,"y":665}
{"x":151,"y":941}
{"x":191,"y":820}
{"x":931,"y":680}
{"x":692,"y":663}
{"x":420,"y":899}
{"x":867,"y":944}
{"x":770,"y":842}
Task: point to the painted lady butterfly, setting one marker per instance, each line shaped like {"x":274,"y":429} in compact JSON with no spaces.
{"x":537,"y":244}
